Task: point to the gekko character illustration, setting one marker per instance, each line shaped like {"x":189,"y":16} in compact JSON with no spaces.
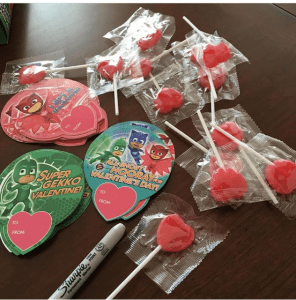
{"x":25,"y":172}
{"x":137,"y":141}
{"x":155,"y":160}
{"x":116,"y":150}
{"x":38,"y":115}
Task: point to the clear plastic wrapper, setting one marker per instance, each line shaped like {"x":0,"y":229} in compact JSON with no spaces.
{"x":10,"y":78}
{"x":213,"y":187}
{"x":160,"y":107}
{"x":276,"y":150}
{"x":214,"y":51}
{"x":114,"y":62}
{"x":192,"y":159}
{"x":234,"y":120}
{"x":157,"y":68}
{"x":169,"y":269}
{"x":225,"y":79}
{"x":140,"y":31}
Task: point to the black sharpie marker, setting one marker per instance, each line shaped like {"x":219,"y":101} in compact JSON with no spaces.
{"x":89,"y":264}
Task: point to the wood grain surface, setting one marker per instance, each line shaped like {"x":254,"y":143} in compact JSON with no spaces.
{"x":257,"y":260}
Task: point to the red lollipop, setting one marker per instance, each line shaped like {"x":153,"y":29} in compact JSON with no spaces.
{"x":227,"y":184}
{"x":31,"y":74}
{"x":282,"y":176}
{"x":173,"y":235}
{"x":142,"y":70}
{"x":214,"y":55}
{"x":150,"y":40}
{"x":221,"y":140}
{"x":167,"y":99}
{"x":108,"y":68}
{"x":218,"y":76}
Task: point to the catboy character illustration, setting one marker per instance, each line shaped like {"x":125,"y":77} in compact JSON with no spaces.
{"x":137,"y":141}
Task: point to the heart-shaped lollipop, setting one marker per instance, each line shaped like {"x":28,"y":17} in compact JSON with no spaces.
{"x":282,"y":176}
{"x":218,"y":76}
{"x":150,"y":40}
{"x":31,"y":74}
{"x":173,"y":234}
{"x":108,"y":68}
{"x":227,"y":184}
{"x":221,"y":140}
{"x":142,"y":69}
{"x":168,"y":99}
{"x":214,"y":55}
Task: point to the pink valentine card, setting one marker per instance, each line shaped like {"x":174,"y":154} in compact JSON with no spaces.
{"x":50,"y":110}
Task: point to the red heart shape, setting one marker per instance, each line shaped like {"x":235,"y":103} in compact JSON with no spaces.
{"x":82,"y":119}
{"x":173,"y":234}
{"x":167,"y":99}
{"x":221,"y":140}
{"x":228,"y":184}
{"x":150,"y":40}
{"x":108,"y":68}
{"x":142,"y":70}
{"x":31,"y":74}
{"x":282,"y":176}
{"x":113,"y":202}
{"x":27,"y":230}
{"x":214,"y":55}
{"x":218,"y":76}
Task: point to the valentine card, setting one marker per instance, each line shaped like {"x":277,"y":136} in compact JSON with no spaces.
{"x":126,"y":164}
{"x":137,"y":208}
{"x":51,"y":110}
{"x":38,"y":191}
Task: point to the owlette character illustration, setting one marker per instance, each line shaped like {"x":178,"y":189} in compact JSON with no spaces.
{"x":38,"y":115}
{"x":137,"y":141}
{"x":155,"y":160}
{"x":116,"y":150}
{"x":25,"y":172}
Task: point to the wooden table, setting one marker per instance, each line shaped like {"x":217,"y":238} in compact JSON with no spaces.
{"x":258,"y":259}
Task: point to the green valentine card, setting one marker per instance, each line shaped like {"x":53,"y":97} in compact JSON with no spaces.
{"x":38,"y":191}
{"x":126,"y":164}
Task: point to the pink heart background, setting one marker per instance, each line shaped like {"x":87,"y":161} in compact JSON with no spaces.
{"x":35,"y":228}
{"x":82,"y":119}
{"x":113,"y":202}
{"x":136,"y":208}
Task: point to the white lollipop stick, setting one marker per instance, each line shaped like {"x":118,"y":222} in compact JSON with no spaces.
{"x":94,"y":65}
{"x":213,"y":90}
{"x":262,"y":181}
{"x":168,"y":51}
{"x":154,"y":81}
{"x":213,"y":116}
{"x":134,"y":273}
{"x":115,"y":95}
{"x":203,"y":123}
{"x":196,"y":29}
{"x":242,"y":144}
{"x":70,"y":68}
{"x":188,"y":138}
